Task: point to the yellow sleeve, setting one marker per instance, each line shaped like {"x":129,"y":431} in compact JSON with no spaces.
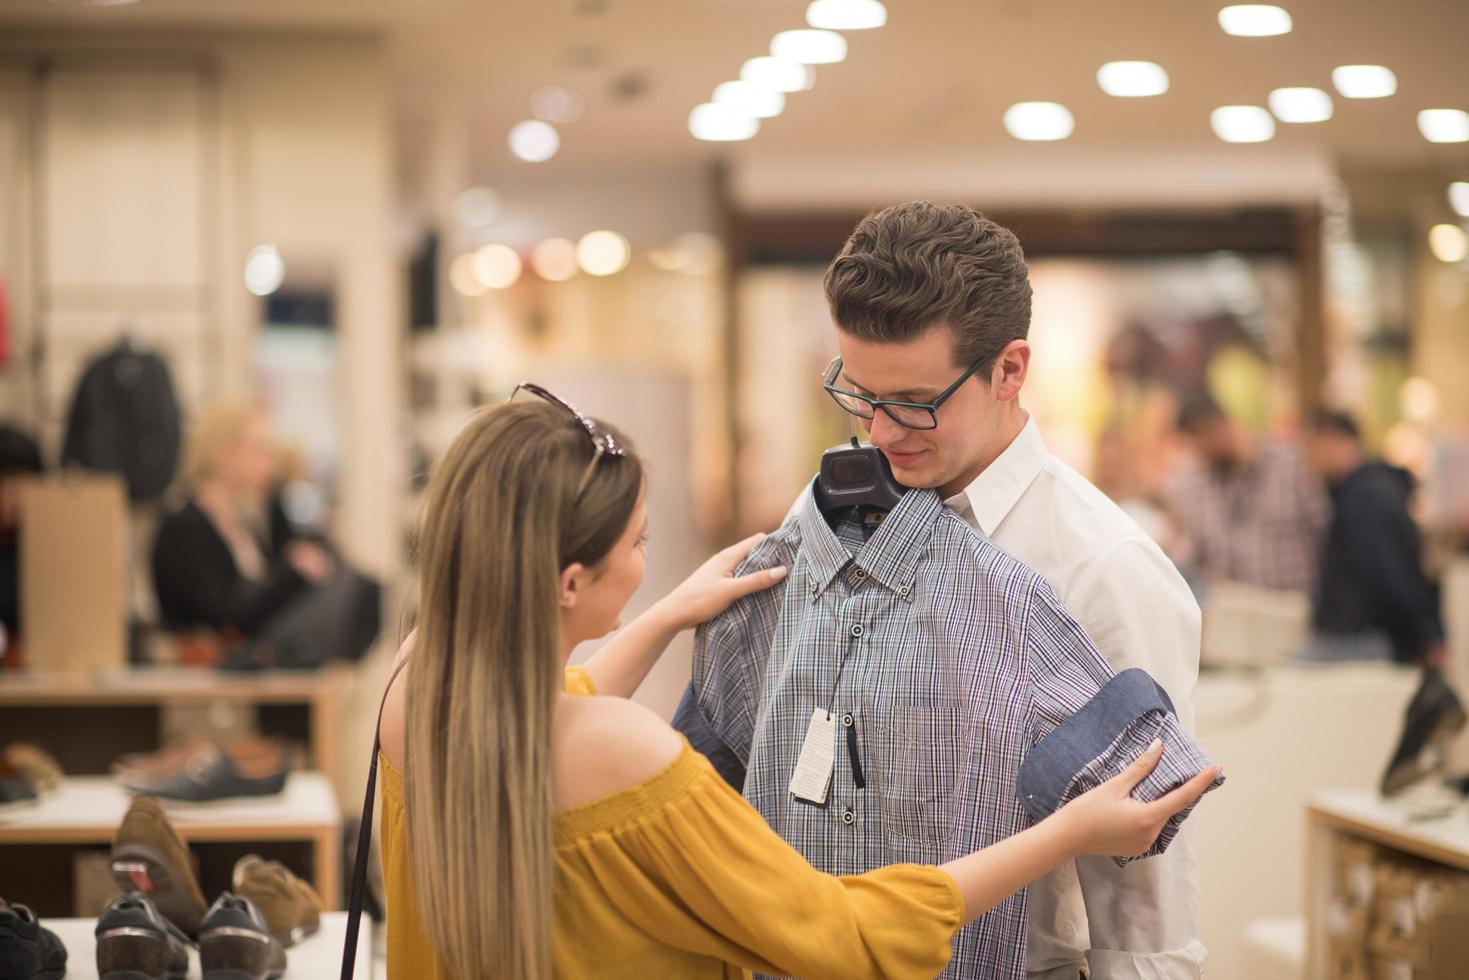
{"x":705,"y":873}
{"x":579,"y":682}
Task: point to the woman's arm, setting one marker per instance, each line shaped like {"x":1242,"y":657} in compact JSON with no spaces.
{"x":1105,"y":820}
{"x":619,"y":667}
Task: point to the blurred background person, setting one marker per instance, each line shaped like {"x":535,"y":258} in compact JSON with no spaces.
{"x":1250,"y":512}
{"x":1374,"y":599}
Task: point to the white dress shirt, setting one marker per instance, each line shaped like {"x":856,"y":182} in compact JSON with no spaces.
{"x":1140,"y":921}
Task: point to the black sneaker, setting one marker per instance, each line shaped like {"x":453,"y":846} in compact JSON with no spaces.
{"x":27,"y":951}
{"x":236,"y":944}
{"x":135,"y":942}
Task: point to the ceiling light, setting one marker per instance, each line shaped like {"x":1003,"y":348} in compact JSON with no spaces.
{"x":721,"y":123}
{"x":1242,"y":124}
{"x":556,"y":104}
{"x":1459,"y":197}
{"x":602,"y":253}
{"x":1132,"y":79}
{"x":846,"y":15}
{"x":1448,"y":243}
{"x":1418,"y":400}
{"x":750,"y":100}
{"x":554,"y":259}
{"x":462,"y":277}
{"x":478,"y":206}
{"x":1254,"y":20}
{"x":264,"y":270}
{"x":1444,"y":125}
{"x":809,"y":47}
{"x":778,"y":74}
{"x":1039,"y":121}
{"x":534,"y":141}
{"x":496,"y":266}
{"x":1300,"y":105}
{"x":1364,"y":81}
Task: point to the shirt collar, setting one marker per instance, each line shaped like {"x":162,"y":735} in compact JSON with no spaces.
{"x":890,"y":556}
{"x":996,"y":491}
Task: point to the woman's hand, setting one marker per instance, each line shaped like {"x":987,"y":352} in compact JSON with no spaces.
{"x":1107,"y":820}
{"x":712,"y":587}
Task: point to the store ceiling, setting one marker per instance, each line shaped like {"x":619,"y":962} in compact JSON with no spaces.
{"x":934,"y":83}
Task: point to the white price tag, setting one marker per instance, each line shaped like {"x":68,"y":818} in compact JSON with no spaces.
{"x":812,"y":778}
{"x":1404,"y":919}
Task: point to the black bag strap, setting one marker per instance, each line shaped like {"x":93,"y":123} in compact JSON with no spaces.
{"x":364,"y":838}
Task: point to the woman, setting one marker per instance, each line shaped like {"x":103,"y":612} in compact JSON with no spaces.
{"x":211,"y":566}
{"x":533,"y":828}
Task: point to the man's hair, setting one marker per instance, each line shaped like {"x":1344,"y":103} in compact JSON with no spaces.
{"x":1340,"y":423}
{"x":911,"y":267}
{"x":1198,"y":411}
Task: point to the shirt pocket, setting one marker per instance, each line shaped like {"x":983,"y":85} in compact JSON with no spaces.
{"x":920,"y":753}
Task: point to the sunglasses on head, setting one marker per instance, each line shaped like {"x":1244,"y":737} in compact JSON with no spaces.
{"x":603,"y":442}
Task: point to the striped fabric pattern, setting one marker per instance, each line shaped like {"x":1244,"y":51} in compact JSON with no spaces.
{"x":948,"y":659}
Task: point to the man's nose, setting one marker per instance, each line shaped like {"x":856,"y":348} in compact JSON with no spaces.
{"x":883,"y":431}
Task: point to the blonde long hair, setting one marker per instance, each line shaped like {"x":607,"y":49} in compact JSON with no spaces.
{"x":502,"y":520}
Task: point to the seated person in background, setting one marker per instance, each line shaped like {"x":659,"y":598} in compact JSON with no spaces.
{"x":1374,"y":600}
{"x":211,"y":565}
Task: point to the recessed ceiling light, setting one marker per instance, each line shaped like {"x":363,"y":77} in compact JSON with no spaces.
{"x":264,"y":270}
{"x":778,"y":74}
{"x":475,"y":207}
{"x":496,"y":266}
{"x":1448,"y":243}
{"x":554,"y":259}
{"x":719,"y":123}
{"x":534,"y":141}
{"x":1242,"y":124}
{"x":1444,"y":125}
{"x":556,"y":104}
{"x":1255,"y":20}
{"x":603,"y":253}
{"x":749,"y":99}
{"x":1039,"y":121}
{"x":1300,"y":105}
{"x":1364,"y":81}
{"x":462,"y":277}
{"x":1459,"y":197}
{"x":1132,"y":79}
{"x":846,"y":15}
{"x":809,"y":47}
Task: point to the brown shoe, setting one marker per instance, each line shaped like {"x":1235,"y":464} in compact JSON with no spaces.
{"x":291,"y":907}
{"x":41,"y":769}
{"x":149,"y":856}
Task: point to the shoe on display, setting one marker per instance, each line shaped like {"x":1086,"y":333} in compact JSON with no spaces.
{"x":135,"y":942}
{"x":235,"y":943}
{"x":291,"y":907}
{"x":27,"y":950}
{"x":43,"y":771}
{"x":148,"y":856}
{"x":217,"y":772}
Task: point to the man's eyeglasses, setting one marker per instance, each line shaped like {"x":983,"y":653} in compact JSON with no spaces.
{"x":603,"y":442}
{"x":910,"y":415}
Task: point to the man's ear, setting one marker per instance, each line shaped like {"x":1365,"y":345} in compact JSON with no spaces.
{"x":572,"y":578}
{"x":1008,"y":375}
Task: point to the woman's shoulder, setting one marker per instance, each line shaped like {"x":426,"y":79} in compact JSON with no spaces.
{"x":606,"y":745}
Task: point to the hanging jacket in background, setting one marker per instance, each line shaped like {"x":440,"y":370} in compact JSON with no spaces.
{"x":124,"y":419}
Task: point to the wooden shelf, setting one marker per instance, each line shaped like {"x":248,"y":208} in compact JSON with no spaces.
{"x":88,"y":809}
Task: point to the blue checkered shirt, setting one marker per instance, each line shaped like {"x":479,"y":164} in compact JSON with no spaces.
{"x":944,"y":660}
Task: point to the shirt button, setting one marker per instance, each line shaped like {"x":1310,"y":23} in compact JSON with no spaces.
{"x":847,"y":720}
{"x":857,"y":629}
{"x":903,"y":591}
{"x":849,"y":818}
{"x":860,"y":574}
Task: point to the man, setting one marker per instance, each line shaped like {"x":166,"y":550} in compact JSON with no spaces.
{"x":932,"y":307}
{"x":1251,"y":513}
{"x":1373,"y":600}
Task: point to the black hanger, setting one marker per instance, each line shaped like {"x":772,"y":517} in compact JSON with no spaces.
{"x":856,"y":475}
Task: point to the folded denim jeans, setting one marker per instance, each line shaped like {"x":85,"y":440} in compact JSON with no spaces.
{"x":1101,"y":739}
